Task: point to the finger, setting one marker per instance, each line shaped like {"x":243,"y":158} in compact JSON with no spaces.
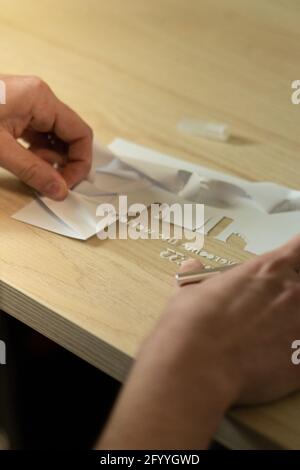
{"x":260,"y":267}
{"x":287,"y":254}
{"x":291,"y":251}
{"x":30,"y":168}
{"x":281,"y":266}
{"x":283,"y":258}
{"x":189,"y":265}
{"x":70,"y":128}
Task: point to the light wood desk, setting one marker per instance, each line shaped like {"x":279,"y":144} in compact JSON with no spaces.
{"x":132,"y":69}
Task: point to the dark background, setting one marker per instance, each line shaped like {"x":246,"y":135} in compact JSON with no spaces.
{"x":49,"y":398}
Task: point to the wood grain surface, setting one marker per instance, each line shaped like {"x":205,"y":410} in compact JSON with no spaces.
{"x":134,"y":68}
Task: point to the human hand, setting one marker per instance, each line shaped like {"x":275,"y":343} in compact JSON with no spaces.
{"x":242,"y":324}
{"x":34,"y":113}
{"x":223,"y":342}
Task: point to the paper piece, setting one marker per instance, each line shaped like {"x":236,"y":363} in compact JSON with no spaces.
{"x":264,"y":214}
{"x":36,"y":213}
{"x":77,"y":215}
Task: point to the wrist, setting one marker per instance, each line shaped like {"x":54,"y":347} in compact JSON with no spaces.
{"x":192,"y":345}
{"x":191,"y":382}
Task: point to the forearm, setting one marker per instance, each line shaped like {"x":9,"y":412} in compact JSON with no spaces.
{"x":172,"y":400}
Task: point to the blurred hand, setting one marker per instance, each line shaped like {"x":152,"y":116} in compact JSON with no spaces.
{"x":55,"y":134}
{"x":223,"y":342}
{"x":242,"y":324}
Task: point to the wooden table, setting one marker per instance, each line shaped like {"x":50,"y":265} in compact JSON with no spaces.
{"x":133,"y":69}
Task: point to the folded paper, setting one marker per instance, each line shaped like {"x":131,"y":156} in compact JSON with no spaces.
{"x":264,"y":214}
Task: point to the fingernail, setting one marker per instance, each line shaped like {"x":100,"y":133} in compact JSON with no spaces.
{"x":55,"y":191}
{"x":191,"y":264}
{"x":189,"y":261}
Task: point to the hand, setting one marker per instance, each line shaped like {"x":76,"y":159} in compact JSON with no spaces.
{"x":222,"y":342}
{"x":243,"y":322}
{"x":32,"y":112}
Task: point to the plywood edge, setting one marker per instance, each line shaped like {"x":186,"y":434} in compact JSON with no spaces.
{"x":67,"y":334}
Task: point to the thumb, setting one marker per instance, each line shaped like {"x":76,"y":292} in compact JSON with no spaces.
{"x":31,"y":169}
{"x":191,"y":265}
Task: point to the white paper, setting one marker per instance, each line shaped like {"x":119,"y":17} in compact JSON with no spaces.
{"x":110,"y":177}
{"x":264,"y":214}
